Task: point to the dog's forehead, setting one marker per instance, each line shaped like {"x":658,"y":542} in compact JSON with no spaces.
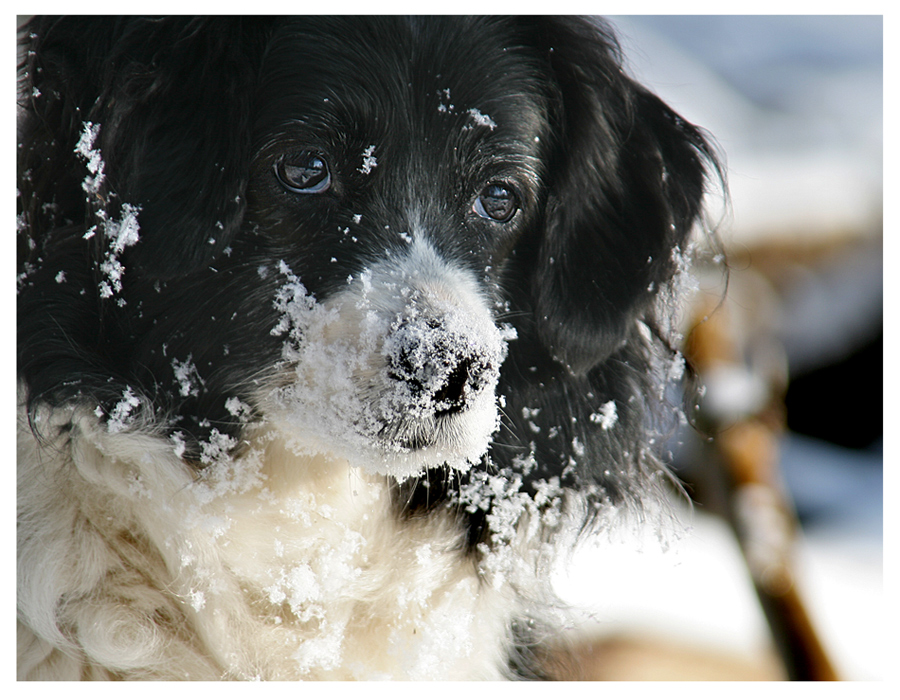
{"x":421,"y":74}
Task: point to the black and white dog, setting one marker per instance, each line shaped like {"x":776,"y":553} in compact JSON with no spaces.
{"x":330,"y":331}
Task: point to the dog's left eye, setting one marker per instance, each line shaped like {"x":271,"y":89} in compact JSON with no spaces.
{"x":496,"y":202}
{"x":305,"y":172}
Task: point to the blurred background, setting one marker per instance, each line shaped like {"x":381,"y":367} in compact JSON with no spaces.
{"x":795,"y":104}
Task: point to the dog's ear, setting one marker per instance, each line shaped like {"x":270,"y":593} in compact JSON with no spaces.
{"x":626,"y":185}
{"x":170,"y":104}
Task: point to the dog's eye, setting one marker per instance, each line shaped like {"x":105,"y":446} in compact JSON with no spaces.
{"x":305,"y":172}
{"x":496,"y":202}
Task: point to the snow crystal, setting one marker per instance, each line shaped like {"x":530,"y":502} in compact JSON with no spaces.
{"x":525,"y":464}
{"x":676,"y":368}
{"x":138,"y":488}
{"x":577,"y":447}
{"x":85,"y":148}
{"x":180,"y":446}
{"x":323,"y":651}
{"x":60,"y":277}
{"x":369,"y":160}
{"x":509,"y":507}
{"x":188,"y":377}
{"x":606,"y":416}
{"x":295,"y":305}
{"x":424,"y":554}
{"x":120,"y":234}
{"x":297,"y":586}
{"x":238,"y":408}
{"x":113,"y":270}
{"x":120,"y":417}
{"x":216,"y":448}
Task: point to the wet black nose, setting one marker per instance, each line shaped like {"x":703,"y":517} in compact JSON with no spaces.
{"x":451,"y":397}
{"x":441,"y":369}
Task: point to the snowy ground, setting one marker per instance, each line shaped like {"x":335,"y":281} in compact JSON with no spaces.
{"x":795,"y":103}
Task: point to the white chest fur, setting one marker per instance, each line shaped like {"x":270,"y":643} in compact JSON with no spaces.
{"x":273,"y":566}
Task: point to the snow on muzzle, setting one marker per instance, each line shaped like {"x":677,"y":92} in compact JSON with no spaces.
{"x":396,"y":373}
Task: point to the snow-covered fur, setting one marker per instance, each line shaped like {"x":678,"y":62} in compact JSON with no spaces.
{"x":333,"y":332}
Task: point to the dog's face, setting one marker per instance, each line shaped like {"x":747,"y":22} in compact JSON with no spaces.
{"x":365,"y":231}
{"x":395,"y":188}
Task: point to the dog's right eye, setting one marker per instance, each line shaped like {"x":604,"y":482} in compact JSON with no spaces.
{"x":305,"y":172}
{"x":497,"y":202}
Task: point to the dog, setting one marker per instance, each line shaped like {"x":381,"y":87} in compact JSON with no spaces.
{"x":332,"y":332}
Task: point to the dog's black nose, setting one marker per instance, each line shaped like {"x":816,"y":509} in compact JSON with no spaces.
{"x":440,"y":368}
{"x":450,"y":398}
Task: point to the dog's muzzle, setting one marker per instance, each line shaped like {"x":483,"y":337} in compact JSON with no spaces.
{"x":398,"y":372}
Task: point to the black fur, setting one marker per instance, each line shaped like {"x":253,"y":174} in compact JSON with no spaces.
{"x":193,"y":113}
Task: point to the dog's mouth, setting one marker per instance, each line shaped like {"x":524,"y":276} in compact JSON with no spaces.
{"x":396,"y":374}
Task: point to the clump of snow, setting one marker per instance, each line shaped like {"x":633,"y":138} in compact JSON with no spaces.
{"x":120,"y":232}
{"x":672,"y":295}
{"x":578,"y":447}
{"x":607,"y":416}
{"x":217,"y":448}
{"x":423,"y":354}
{"x":238,"y":409}
{"x":677,"y":368}
{"x":482,"y":119}
{"x":515,"y":518}
{"x":197,"y":600}
{"x":124,"y":232}
{"x":445,"y":105}
{"x":138,"y":488}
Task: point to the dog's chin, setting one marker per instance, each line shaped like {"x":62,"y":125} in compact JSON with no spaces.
{"x":401,"y":448}
{"x":456,"y":440}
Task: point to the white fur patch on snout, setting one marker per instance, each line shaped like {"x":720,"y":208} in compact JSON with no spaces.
{"x":396,"y":373}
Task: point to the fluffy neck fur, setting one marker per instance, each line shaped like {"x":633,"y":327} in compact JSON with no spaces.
{"x":270,"y":566}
